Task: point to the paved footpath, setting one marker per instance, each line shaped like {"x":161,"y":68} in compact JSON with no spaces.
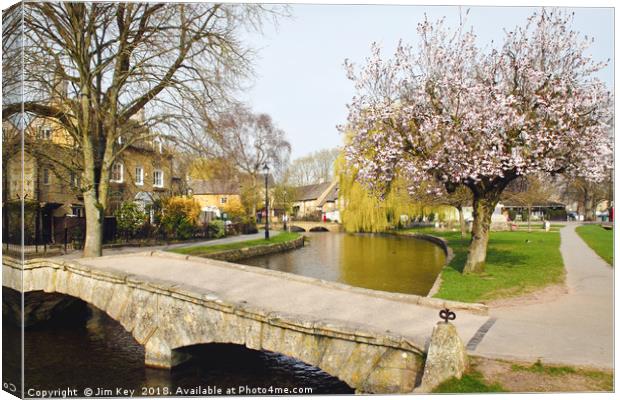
{"x":135,"y":249}
{"x":575,"y":328}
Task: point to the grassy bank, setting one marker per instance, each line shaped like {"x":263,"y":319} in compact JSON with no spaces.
{"x":517,"y":263}
{"x":486,"y":375}
{"x":599,"y":239}
{"x":210,"y":249}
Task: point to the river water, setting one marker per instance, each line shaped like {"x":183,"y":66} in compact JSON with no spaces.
{"x":83,"y":349}
{"x":374,"y":261}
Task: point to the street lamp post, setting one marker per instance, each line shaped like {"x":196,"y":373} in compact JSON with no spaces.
{"x":285,"y":211}
{"x":266,"y":171}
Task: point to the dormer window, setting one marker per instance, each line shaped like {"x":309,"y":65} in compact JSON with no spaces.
{"x":116,"y":175}
{"x":158,"y":145}
{"x":46,"y":133}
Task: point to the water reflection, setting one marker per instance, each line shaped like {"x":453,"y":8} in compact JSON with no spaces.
{"x":374,"y":261}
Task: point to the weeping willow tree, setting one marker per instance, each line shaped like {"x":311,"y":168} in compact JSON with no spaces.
{"x":361,"y":211}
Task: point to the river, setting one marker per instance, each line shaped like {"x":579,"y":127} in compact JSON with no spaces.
{"x":374,"y":261}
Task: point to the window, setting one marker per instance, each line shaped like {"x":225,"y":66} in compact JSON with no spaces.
{"x":77,"y":211}
{"x":139,"y":176}
{"x":119,"y":140}
{"x":223,"y":200}
{"x":46,"y":176}
{"x":46,"y":133}
{"x":158,"y":178}
{"x":117,"y":173}
{"x":75,"y":180}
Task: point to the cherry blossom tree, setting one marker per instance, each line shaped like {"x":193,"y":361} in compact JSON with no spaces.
{"x":480,"y":117}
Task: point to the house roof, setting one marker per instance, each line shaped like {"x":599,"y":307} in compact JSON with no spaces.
{"x":311,"y":192}
{"x":214,"y":186}
{"x":332,"y":196}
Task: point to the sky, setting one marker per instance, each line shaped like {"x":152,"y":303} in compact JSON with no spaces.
{"x":300,"y":79}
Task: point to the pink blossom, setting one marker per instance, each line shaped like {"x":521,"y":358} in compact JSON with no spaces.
{"x":460,"y":114}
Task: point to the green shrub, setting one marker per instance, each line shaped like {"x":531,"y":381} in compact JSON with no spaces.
{"x":247,"y":225}
{"x":512,"y":214}
{"x":216,"y":229}
{"x":129,"y":219}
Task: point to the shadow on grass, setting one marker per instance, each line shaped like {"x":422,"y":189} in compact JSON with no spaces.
{"x":495,"y":255}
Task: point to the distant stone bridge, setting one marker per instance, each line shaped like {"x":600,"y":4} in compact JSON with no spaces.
{"x":309,"y":226}
{"x":373,"y":341}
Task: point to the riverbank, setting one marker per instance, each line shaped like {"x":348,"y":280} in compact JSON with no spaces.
{"x":518,"y":263}
{"x":599,"y":239}
{"x":244,"y":249}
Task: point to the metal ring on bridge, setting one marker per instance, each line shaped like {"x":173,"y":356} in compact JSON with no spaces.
{"x":447,"y":315}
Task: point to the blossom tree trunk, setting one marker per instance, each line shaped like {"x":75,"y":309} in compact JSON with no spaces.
{"x":484,"y":201}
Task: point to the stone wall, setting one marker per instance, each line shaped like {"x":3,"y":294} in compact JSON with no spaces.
{"x":165,"y":317}
{"x":248,"y":252}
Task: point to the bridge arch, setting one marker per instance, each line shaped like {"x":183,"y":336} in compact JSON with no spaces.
{"x":239,"y":356}
{"x":166,"y":317}
{"x":318,"y":229}
{"x":295,"y":228}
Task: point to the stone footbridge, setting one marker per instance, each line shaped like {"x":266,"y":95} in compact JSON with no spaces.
{"x":373,"y":341}
{"x":310,"y":226}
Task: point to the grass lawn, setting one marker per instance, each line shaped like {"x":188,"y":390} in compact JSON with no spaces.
{"x":472,"y":382}
{"x":517,"y":263}
{"x":204,"y":250}
{"x":600,"y":240}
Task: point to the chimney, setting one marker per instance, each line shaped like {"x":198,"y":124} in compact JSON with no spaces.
{"x":60,"y":86}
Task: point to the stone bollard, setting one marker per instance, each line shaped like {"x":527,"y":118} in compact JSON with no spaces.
{"x":446,"y":357}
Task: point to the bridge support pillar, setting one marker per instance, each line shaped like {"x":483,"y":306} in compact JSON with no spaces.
{"x":158,"y":355}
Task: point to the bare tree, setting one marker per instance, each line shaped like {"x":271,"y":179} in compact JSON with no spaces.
{"x":527,"y":191}
{"x":316,"y":167}
{"x":588,"y":194}
{"x":113,"y":74}
{"x":459,"y":199}
{"x":249,"y":141}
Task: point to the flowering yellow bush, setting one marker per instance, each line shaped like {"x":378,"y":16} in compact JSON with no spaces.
{"x":180,"y":216}
{"x":233,"y":207}
{"x":189,"y":208}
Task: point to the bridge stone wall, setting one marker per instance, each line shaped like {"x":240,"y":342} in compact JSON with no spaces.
{"x":248,"y":252}
{"x":165,"y":317}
